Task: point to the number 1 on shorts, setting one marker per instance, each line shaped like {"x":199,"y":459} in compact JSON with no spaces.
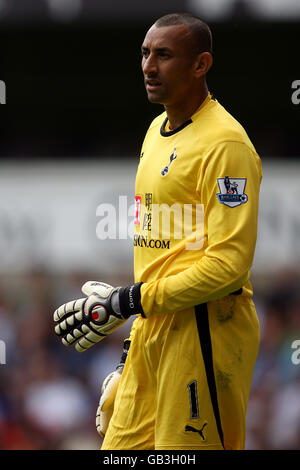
{"x":193,"y":399}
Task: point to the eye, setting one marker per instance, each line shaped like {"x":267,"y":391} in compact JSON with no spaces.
{"x":144,"y":53}
{"x":164,"y":54}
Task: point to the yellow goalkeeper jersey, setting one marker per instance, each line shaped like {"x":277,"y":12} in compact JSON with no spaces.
{"x":196,"y":207}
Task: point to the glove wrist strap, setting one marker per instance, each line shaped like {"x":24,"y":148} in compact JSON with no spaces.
{"x":130,"y":300}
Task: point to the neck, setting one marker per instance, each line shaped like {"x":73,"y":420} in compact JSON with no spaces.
{"x":179,"y":113}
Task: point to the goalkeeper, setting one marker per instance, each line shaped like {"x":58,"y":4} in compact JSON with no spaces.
{"x":186,"y":370}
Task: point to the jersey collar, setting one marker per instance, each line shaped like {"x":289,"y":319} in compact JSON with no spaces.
{"x":165,"y":133}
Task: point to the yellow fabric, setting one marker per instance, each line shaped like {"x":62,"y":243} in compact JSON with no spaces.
{"x":213,"y":146}
{"x":152,"y":406}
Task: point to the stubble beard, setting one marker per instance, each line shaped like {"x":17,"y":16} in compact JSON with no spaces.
{"x":158,"y":98}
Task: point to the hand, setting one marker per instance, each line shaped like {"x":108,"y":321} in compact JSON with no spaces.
{"x":108,"y":393}
{"x":107,"y":400}
{"x":88,"y":320}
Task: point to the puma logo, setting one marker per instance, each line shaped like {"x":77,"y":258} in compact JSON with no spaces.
{"x":190,"y":428}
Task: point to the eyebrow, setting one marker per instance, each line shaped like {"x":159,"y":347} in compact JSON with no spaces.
{"x":157,"y":49}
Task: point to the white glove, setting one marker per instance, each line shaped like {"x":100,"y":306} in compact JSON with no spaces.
{"x":88,"y":320}
{"x":108,"y":393}
{"x":107,"y":400}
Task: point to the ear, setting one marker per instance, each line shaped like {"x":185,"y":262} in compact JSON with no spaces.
{"x":202,"y":64}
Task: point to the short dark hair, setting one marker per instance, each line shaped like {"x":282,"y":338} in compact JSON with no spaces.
{"x":200,"y":30}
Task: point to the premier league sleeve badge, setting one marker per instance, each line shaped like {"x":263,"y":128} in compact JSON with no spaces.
{"x":232,"y":191}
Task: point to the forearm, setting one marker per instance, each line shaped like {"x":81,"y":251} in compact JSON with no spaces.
{"x":207,"y":280}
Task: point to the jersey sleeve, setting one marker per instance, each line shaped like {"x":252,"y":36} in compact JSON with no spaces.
{"x":230,"y":234}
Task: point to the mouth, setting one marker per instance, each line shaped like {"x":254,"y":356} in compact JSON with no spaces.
{"x":152,"y":84}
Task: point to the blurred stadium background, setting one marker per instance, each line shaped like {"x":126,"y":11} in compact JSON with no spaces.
{"x":70,"y":136}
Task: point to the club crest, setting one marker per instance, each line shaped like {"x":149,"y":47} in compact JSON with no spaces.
{"x":165,"y":170}
{"x":232,"y":191}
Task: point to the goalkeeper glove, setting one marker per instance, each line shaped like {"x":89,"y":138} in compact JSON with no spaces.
{"x":88,"y":320}
{"x":108,"y":394}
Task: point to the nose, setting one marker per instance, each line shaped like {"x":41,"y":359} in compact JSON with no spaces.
{"x":149,"y":65}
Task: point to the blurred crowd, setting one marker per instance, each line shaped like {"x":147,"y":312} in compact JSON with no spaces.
{"x":49,"y":393}
{"x":273,"y":418}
